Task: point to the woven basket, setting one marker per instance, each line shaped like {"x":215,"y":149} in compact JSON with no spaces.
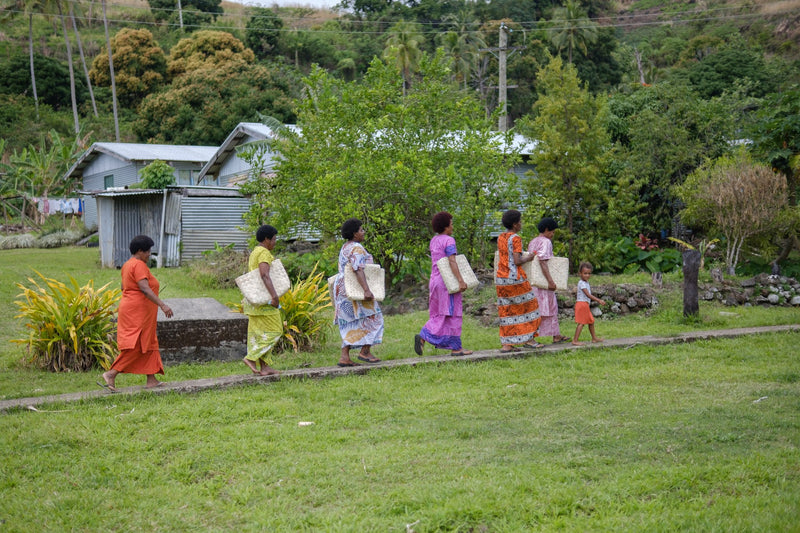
{"x":375,"y":281}
{"x":450,"y":281}
{"x":253,"y":288}
{"x":559,"y":271}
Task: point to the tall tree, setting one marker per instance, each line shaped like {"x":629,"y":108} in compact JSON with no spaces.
{"x":572,"y":28}
{"x":63,"y":18}
{"x":140,"y":65}
{"x":367,"y":150}
{"x":404,"y":46}
{"x":571,"y":159}
{"x":28,"y":8}
{"x":82,"y":56}
{"x":111,"y":74}
{"x":776,"y":139}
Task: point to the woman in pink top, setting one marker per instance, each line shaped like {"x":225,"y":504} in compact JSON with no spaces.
{"x":542,"y":246}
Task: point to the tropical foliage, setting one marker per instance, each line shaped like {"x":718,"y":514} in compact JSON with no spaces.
{"x":70,"y":328}
{"x":304,"y":308}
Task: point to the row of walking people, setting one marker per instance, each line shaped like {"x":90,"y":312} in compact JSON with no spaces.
{"x":525,"y":312}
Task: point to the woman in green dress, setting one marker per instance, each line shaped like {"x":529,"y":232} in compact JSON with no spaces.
{"x":265,"y":324}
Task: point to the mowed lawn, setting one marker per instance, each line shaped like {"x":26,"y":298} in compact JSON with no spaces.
{"x":690,"y":437}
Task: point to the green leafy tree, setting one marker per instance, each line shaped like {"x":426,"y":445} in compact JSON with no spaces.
{"x":157,"y":175}
{"x":140,"y":66}
{"x":368,"y":151}
{"x":262,"y":32}
{"x":573,"y":181}
{"x":51,"y":73}
{"x":203,"y":106}
{"x":665,"y":132}
{"x":776,"y":139}
{"x":207,"y":49}
{"x":737,"y":198}
{"x":192,"y":13}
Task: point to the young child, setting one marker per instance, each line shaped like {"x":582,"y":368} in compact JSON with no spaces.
{"x":583,"y":315}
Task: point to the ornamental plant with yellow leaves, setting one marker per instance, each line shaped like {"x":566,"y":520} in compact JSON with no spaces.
{"x":71,"y":328}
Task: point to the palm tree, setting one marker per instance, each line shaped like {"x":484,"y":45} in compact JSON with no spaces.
{"x":69,"y":64}
{"x":463,"y":42}
{"x":111,"y":72}
{"x":571,"y":28}
{"x":404,"y":48}
{"x":83,"y":58}
{"x":28,"y":8}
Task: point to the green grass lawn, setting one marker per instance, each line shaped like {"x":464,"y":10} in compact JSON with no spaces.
{"x":697,"y":437}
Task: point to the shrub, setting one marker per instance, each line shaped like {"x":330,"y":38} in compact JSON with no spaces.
{"x":57,"y":239}
{"x":630,"y":258}
{"x":21,"y":240}
{"x":157,"y":175}
{"x":71,"y":328}
{"x":218,"y":268}
{"x":299,"y":265}
{"x":305,"y":322}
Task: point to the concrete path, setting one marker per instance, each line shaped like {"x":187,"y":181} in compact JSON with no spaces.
{"x":334,"y":371}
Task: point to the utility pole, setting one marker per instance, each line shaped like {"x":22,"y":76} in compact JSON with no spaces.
{"x":502,"y":87}
{"x":502,"y":124}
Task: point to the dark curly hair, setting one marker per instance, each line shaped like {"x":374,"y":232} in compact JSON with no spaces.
{"x":585,"y":265}
{"x":440,"y":221}
{"x":511,"y":217}
{"x":350,"y":228}
{"x":141,"y":243}
{"x":265,"y":232}
{"x":547,"y":224}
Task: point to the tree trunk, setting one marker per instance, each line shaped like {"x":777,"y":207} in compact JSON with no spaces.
{"x":83,"y":58}
{"x":71,"y":70}
{"x":33,"y":76}
{"x":111,"y":71}
{"x":691,"y":270}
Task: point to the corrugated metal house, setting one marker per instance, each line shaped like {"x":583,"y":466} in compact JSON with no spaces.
{"x":112,"y":165}
{"x":183,"y":221}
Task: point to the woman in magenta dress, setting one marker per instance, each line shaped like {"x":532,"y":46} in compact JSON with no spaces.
{"x":443,"y":329}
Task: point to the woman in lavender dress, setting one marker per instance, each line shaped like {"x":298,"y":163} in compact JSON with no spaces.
{"x":542,"y":246}
{"x":443,"y":329}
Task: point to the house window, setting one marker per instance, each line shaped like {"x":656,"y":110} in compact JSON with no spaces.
{"x":108,"y":181}
{"x":184,"y":177}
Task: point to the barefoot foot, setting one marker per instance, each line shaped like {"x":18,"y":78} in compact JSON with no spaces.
{"x":251,"y":365}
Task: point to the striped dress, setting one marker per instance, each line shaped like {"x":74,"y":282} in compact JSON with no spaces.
{"x":516,"y":302}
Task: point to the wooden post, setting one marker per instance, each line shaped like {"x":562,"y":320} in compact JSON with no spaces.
{"x":691,"y":270}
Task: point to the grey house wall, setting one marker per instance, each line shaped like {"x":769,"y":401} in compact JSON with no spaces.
{"x":123,"y":173}
{"x":210,"y":221}
{"x":195,"y":221}
{"x":235,"y":170}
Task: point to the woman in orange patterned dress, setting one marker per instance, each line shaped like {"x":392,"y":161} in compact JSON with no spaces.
{"x":136,"y":324}
{"x":516,"y":301}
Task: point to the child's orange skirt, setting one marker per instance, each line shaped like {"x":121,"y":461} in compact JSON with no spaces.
{"x":583,"y":315}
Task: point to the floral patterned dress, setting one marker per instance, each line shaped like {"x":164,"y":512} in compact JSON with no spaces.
{"x":360,"y":322}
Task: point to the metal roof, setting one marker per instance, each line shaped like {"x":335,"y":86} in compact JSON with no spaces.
{"x":133,"y":152}
{"x":256,"y":130}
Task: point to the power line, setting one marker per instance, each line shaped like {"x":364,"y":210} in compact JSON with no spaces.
{"x":690,"y":17}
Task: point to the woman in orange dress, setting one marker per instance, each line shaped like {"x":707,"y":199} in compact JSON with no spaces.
{"x":136,"y":323}
{"x":516,"y":301}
